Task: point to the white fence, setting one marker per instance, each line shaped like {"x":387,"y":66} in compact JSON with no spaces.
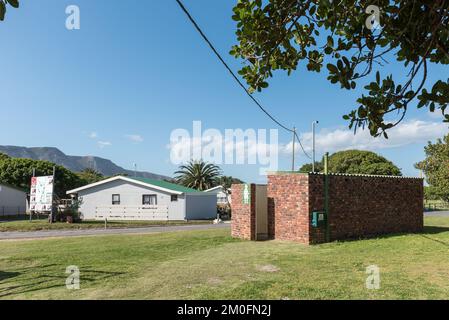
{"x":155,"y":213}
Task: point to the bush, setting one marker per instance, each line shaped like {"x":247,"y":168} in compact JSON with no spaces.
{"x":224,"y":212}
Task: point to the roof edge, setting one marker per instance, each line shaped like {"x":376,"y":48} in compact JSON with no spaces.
{"x":92,"y":185}
{"x":342,"y":174}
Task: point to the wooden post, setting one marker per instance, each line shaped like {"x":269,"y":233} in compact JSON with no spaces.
{"x":52,"y":196}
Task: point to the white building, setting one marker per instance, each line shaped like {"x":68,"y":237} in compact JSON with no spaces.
{"x":13,"y":201}
{"x":223,"y":196}
{"x":126,"y":198}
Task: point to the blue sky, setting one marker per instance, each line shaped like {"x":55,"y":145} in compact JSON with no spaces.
{"x":137,"y":70}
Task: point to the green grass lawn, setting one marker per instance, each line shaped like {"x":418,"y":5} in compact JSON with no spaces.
{"x":42,"y":224}
{"x":210,"y":264}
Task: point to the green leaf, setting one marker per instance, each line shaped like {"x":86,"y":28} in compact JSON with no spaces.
{"x":14,"y":3}
{"x":332,"y":68}
{"x":421,"y":104}
{"x":2,"y":11}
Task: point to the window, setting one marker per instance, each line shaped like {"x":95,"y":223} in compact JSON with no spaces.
{"x":115,"y":199}
{"x":149,"y":200}
{"x":174,"y":197}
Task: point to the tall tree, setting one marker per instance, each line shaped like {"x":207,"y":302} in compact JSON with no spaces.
{"x":3,"y":3}
{"x":228,"y":181}
{"x":353,"y":39}
{"x":18,"y":172}
{"x":198,"y":175}
{"x":90,"y":175}
{"x":357,"y":162}
{"x":436,"y":167}
{"x":306,"y":168}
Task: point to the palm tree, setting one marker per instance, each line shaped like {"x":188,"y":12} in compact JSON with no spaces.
{"x":198,"y":175}
{"x":90,"y":175}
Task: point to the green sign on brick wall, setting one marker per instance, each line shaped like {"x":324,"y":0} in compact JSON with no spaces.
{"x":246,"y":194}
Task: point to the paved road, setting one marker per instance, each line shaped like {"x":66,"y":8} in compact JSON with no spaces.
{"x":437,"y":213}
{"x":13,"y":235}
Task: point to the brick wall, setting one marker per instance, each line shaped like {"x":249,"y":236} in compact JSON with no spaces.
{"x":288,"y":207}
{"x":359,"y":206}
{"x":243,"y":224}
{"x":365,"y":206}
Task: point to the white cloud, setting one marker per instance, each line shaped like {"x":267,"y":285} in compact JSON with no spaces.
{"x":406,"y":133}
{"x":254,"y":148}
{"x":134,"y":138}
{"x":435,"y":115}
{"x":327,"y":140}
{"x":93,"y":135}
{"x":103,"y":144}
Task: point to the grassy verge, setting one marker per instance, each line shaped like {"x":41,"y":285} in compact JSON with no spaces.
{"x":42,"y":224}
{"x":211,"y":265}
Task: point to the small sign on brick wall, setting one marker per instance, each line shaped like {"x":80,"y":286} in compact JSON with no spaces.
{"x":246,"y":194}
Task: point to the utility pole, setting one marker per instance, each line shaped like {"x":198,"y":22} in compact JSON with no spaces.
{"x":31,"y":211}
{"x":314,"y":123}
{"x":293,"y":151}
{"x":53,"y":207}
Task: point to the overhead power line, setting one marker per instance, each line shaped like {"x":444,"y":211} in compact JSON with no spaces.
{"x":228,"y":68}
{"x":200,"y":31}
{"x":302,"y":147}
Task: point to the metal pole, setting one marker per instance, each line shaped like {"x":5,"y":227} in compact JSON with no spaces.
{"x":326,"y":194}
{"x":293,"y":151}
{"x":313,"y":145}
{"x":52,"y":195}
{"x":31,"y":212}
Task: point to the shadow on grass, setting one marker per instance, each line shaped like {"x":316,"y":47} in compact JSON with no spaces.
{"x":6,"y":275}
{"x":434,"y":230}
{"x":26,"y":280}
{"x":426,"y":233}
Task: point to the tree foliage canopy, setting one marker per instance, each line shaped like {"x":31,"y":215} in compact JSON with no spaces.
{"x":198,"y":175}
{"x":227,"y":181}
{"x":89,"y":176}
{"x":279,"y":34}
{"x":3,"y":3}
{"x":18,"y":172}
{"x":357,"y":162}
{"x":436,"y":167}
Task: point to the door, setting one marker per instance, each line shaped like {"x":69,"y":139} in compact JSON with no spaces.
{"x":261,"y":212}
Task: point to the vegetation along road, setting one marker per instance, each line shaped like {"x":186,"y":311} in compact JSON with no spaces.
{"x":93,"y":232}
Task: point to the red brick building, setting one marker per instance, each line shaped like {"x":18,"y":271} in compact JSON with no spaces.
{"x":358,"y":206}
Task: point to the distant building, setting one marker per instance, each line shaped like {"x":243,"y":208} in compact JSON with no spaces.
{"x":223,"y":195}
{"x":13,"y":201}
{"x":126,"y":198}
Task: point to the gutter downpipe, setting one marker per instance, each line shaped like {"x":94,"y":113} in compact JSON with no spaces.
{"x":326,"y":194}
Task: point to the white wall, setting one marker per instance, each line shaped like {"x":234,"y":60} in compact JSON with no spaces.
{"x":130,"y":195}
{"x":12,"y":201}
{"x":200,"y":207}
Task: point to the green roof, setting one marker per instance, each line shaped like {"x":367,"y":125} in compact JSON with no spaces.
{"x":166,"y":185}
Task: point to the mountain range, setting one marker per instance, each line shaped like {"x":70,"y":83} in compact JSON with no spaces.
{"x":75,"y":163}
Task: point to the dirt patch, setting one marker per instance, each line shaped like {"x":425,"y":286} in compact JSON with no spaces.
{"x":214,"y":281}
{"x":268,"y":268}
